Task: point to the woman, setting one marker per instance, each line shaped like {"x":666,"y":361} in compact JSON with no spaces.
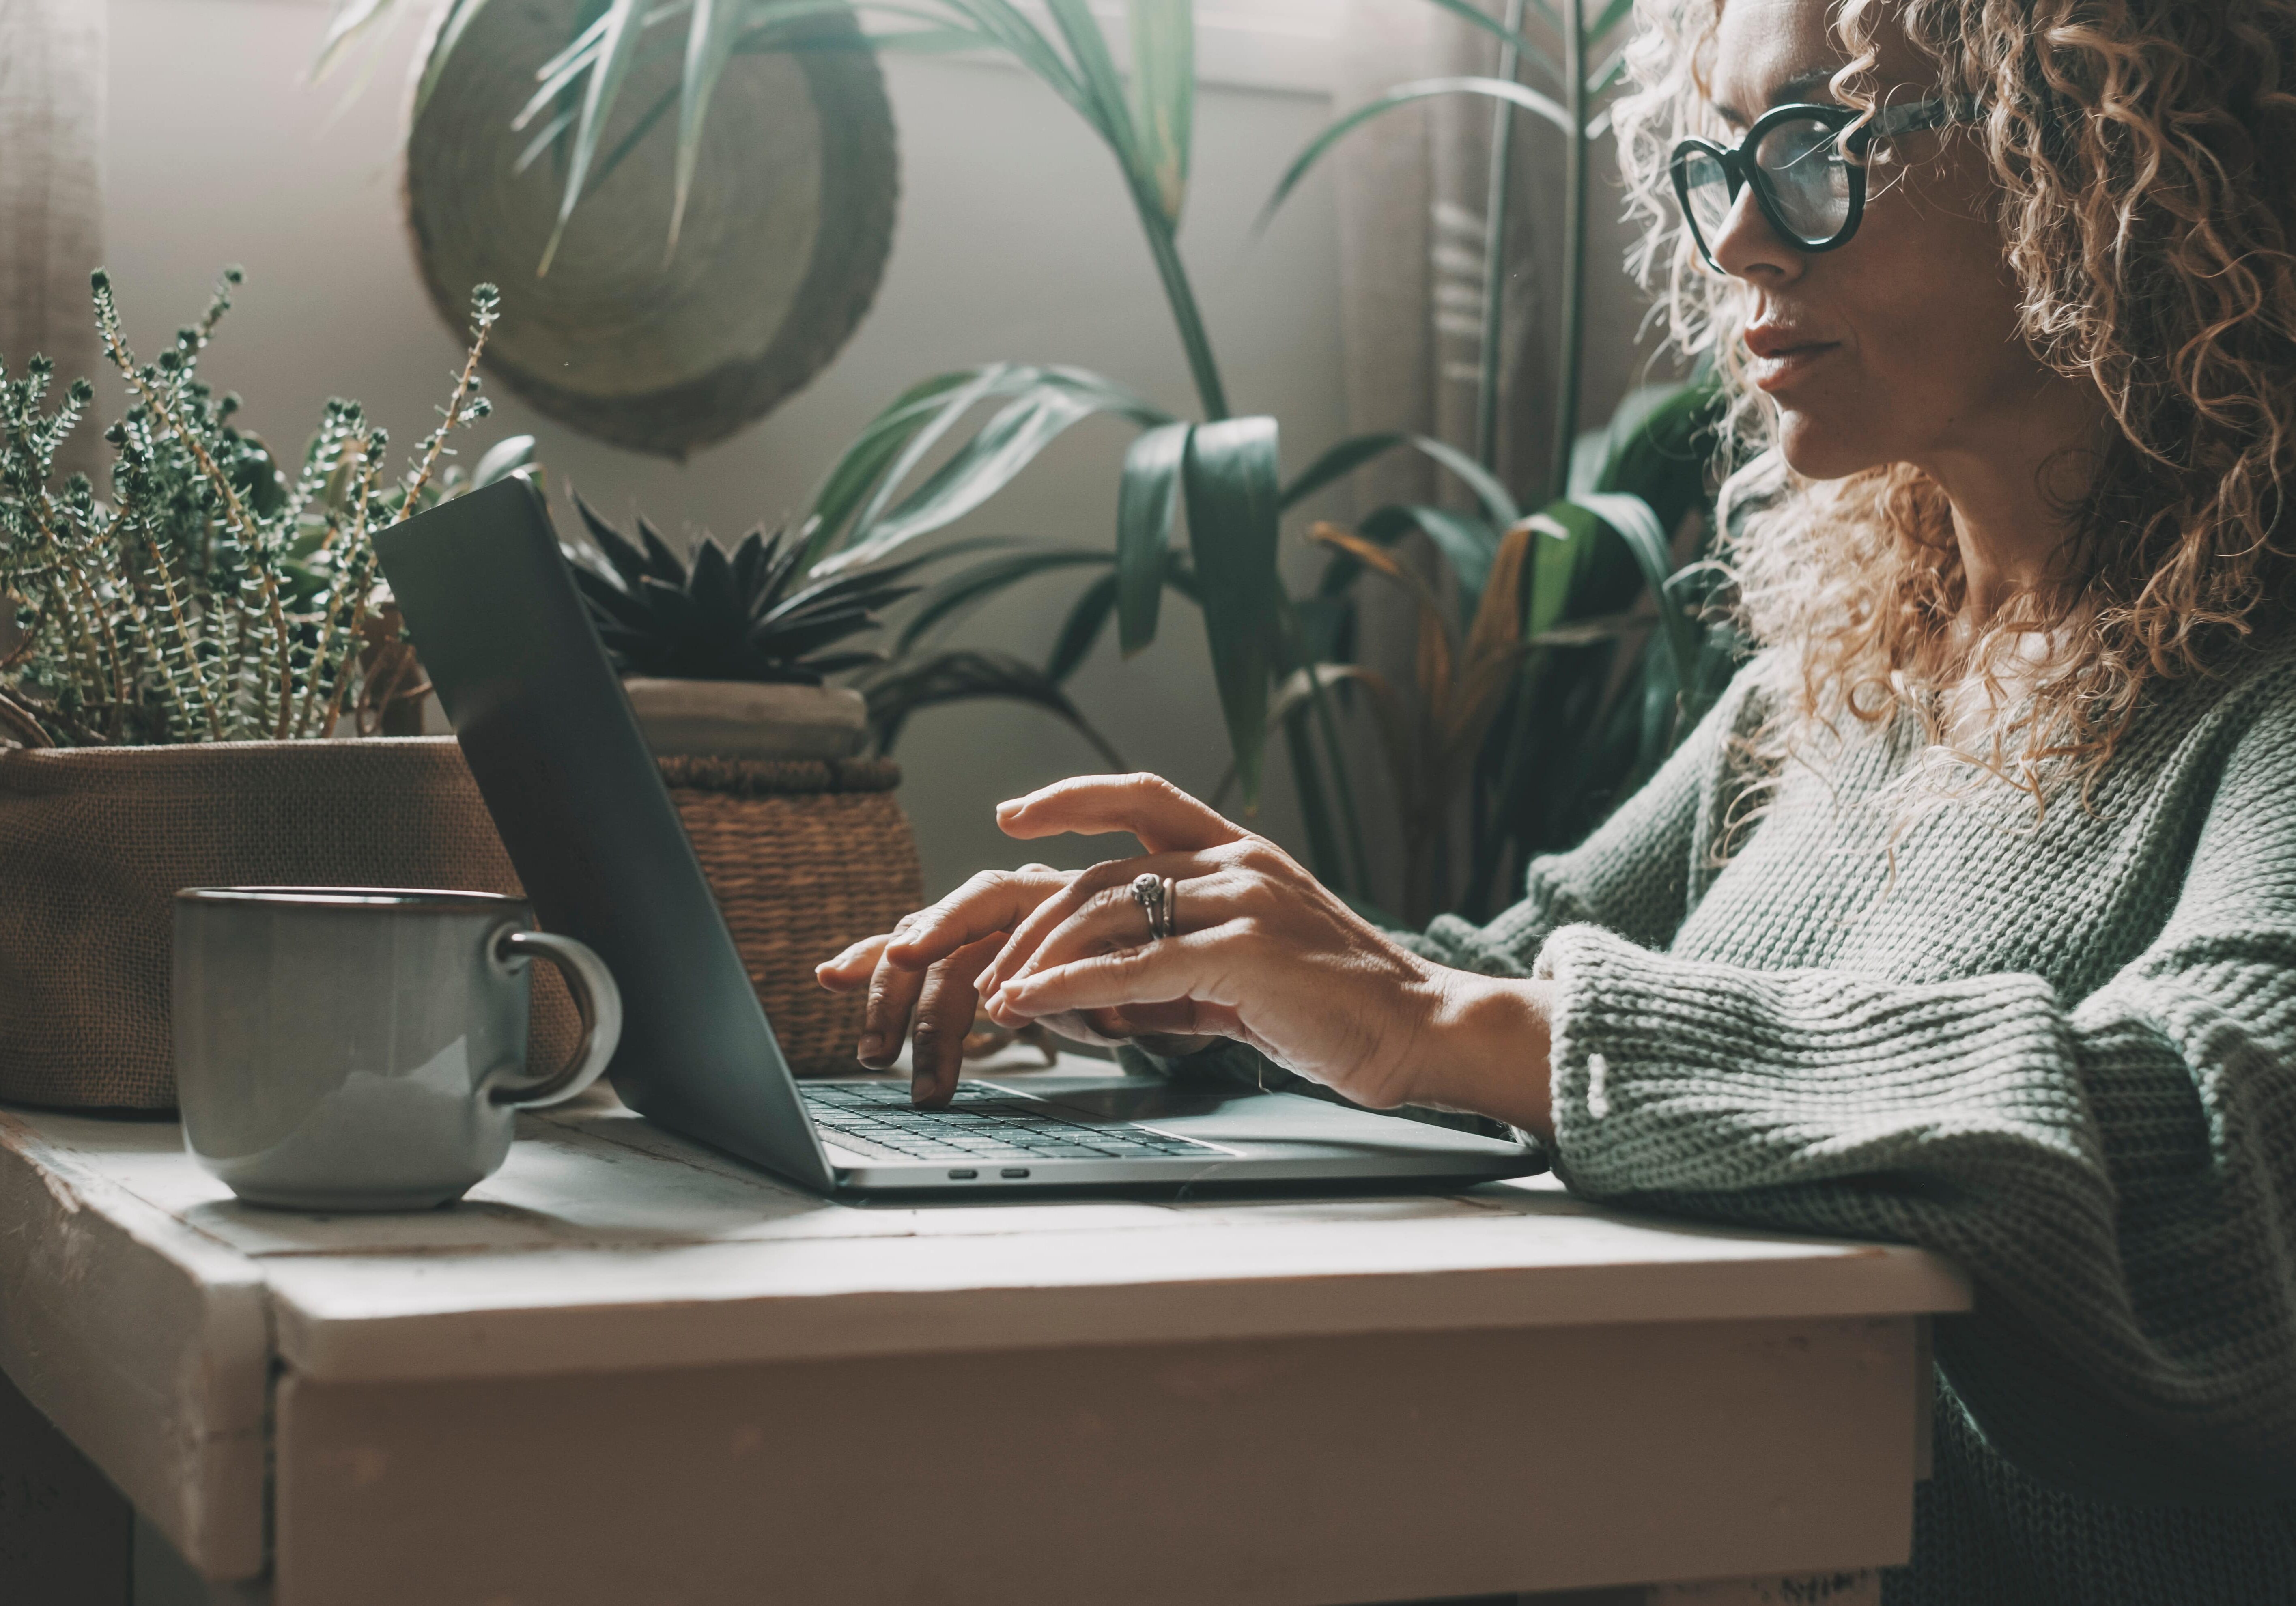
{"x":1969,"y":918}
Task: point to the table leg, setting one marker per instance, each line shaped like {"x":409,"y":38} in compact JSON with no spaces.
{"x":65,"y":1533}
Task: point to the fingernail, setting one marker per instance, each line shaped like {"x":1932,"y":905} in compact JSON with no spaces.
{"x":921,"y":1088}
{"x":870,"y":1045}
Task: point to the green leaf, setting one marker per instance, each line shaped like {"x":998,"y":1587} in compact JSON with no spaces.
{"x":1029,"y":46}
{"x":995,"y":380}
{"x":504,"y":458}
{"x":1631,"y":518}
{"x":1611,"y":15}
{"x":1104,"y":101}
{"x":618,"y":45}
{"x":961,"y":675}
{"x":1405,"y":94}
{"x":1082,"y":628}
{"x":1044,"y":402}
{"x":1467,"y":10}
{"x":1348,"y":456}
{"x":451,"y":30}
{"x":348,"y":21}
{"x":1232,"y":476}
{"x":1566,"y":531}
{"x":991,"y":459}
{"x":1467,"y":543}
{"x":878,"y":447}
{"x":968,"y":587}
{"x":709,"y":40}
{"x":1164,"y":95}
{"x":1145,"y":499}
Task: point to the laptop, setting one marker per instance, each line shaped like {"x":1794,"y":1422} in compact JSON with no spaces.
{"x":540,"y":713}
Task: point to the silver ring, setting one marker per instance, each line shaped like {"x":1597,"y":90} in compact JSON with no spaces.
{"x":1153,"y":894}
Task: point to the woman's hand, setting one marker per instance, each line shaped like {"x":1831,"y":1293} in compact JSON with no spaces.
{"x":1260,"y":952}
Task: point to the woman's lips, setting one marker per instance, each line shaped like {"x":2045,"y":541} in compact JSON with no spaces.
{"x":1778,"y":367}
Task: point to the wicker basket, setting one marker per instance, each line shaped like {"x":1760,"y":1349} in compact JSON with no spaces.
{"x":94,"y":841}
{"x":806,"y":856}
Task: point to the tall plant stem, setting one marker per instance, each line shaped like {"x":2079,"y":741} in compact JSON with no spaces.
{"x":1495,"y":235}
{"x":1211,"y":394}
{"x":1574,"y":247}
{"x":1295,"y":647}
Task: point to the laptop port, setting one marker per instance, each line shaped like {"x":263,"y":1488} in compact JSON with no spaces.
{"x":963,"y":1175}
{"x":1014,"y":1171}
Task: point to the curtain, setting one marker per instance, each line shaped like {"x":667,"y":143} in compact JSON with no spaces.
{"x":52,"y":111}
{"x":1412,"y":195}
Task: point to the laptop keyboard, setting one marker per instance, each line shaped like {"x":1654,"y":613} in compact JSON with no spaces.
{"x":983,"y":1122}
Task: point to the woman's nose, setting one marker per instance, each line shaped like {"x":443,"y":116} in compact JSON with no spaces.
{"x":1747,"y":248}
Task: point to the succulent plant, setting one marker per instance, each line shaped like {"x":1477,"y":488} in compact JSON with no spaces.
{"x":744,"y":615}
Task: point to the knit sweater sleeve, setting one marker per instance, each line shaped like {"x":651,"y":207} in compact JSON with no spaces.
{"x":1641,"y":870}
{"x":2117,"y":1172}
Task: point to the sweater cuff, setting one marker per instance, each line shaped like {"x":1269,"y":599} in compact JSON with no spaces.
{"x":1675,"y":1076}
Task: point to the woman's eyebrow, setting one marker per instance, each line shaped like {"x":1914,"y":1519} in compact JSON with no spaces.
{"x":1810,"y":84}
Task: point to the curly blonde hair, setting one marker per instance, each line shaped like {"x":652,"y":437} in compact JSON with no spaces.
{"x":2145,"y":156}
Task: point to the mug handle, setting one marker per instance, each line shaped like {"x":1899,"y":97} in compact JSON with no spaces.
{"x":595,"y":996}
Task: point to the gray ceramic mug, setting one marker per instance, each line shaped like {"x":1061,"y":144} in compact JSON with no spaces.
{"x":343,"y":1048}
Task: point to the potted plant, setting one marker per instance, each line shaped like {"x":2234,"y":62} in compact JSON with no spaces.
{"x":187,"y":645}
{"x":726,"y":658}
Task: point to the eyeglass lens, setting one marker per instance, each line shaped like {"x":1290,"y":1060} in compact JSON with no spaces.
{"x":1800,"y":164}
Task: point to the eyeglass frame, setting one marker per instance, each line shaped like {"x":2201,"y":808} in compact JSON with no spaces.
{"x":1739,"y":168}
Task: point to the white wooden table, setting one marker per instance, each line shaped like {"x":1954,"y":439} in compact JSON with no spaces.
{"x":631,"y":1371}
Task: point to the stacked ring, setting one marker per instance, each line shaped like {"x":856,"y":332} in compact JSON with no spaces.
{"x":1153,"y":894}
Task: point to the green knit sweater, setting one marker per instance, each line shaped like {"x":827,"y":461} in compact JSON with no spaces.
{"x":2063,"y":1052}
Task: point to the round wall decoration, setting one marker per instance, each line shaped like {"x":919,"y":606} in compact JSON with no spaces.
{"x":783,"y":241}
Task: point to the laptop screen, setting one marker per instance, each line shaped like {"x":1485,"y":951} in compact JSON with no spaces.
{"x":579,"y":802}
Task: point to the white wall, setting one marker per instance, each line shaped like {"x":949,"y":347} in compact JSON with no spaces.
{"x":1014,"y":242}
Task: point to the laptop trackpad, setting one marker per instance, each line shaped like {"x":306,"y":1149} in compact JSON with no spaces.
{"x":1248,"y":1115}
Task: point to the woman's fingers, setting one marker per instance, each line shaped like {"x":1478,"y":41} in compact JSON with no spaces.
{"x":1105,"y":886}
{"x":991,"y":902}
{"x":1164,"y":818}
{"x":851,"y":970}
{"x":1110,"y":922}
{"x":946,"y":1005}
{"x":1188,"y":968}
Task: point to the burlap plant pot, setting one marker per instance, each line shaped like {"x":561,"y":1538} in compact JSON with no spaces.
{"x":94,"y":843}
{"x":806,"y":856}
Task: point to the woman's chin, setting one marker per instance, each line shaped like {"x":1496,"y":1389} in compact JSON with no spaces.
{"x":1817,"y":447}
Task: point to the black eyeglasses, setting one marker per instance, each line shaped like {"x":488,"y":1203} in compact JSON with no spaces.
{"x":1809,"y":176}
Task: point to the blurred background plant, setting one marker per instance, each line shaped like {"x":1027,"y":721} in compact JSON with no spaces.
{"x":1612,"y":655}
{"x":204,"y":595}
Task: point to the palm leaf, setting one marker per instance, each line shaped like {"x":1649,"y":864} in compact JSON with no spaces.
{"x":710,"y":41}
{"x":1004,"y":24}
{"x":618,"y":45}
{"x":873,"y":453}
{"x":1164,"y":96}
{"x":1232,"y":479}
{"x":961,"y":675}
{"x":1104,"y":103}
{"x":1082,"y":628}
{"x":1146,"y":498}
{"x":1631,"y":518}
{"x":1350,"y":455}
{"x":1405,"y":94}
{"x":1467,"y":10}
{"x":968,"y":587}
{"x":900,"y":438}
{"x":991,"y":459}
{"x":347,"y":24}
